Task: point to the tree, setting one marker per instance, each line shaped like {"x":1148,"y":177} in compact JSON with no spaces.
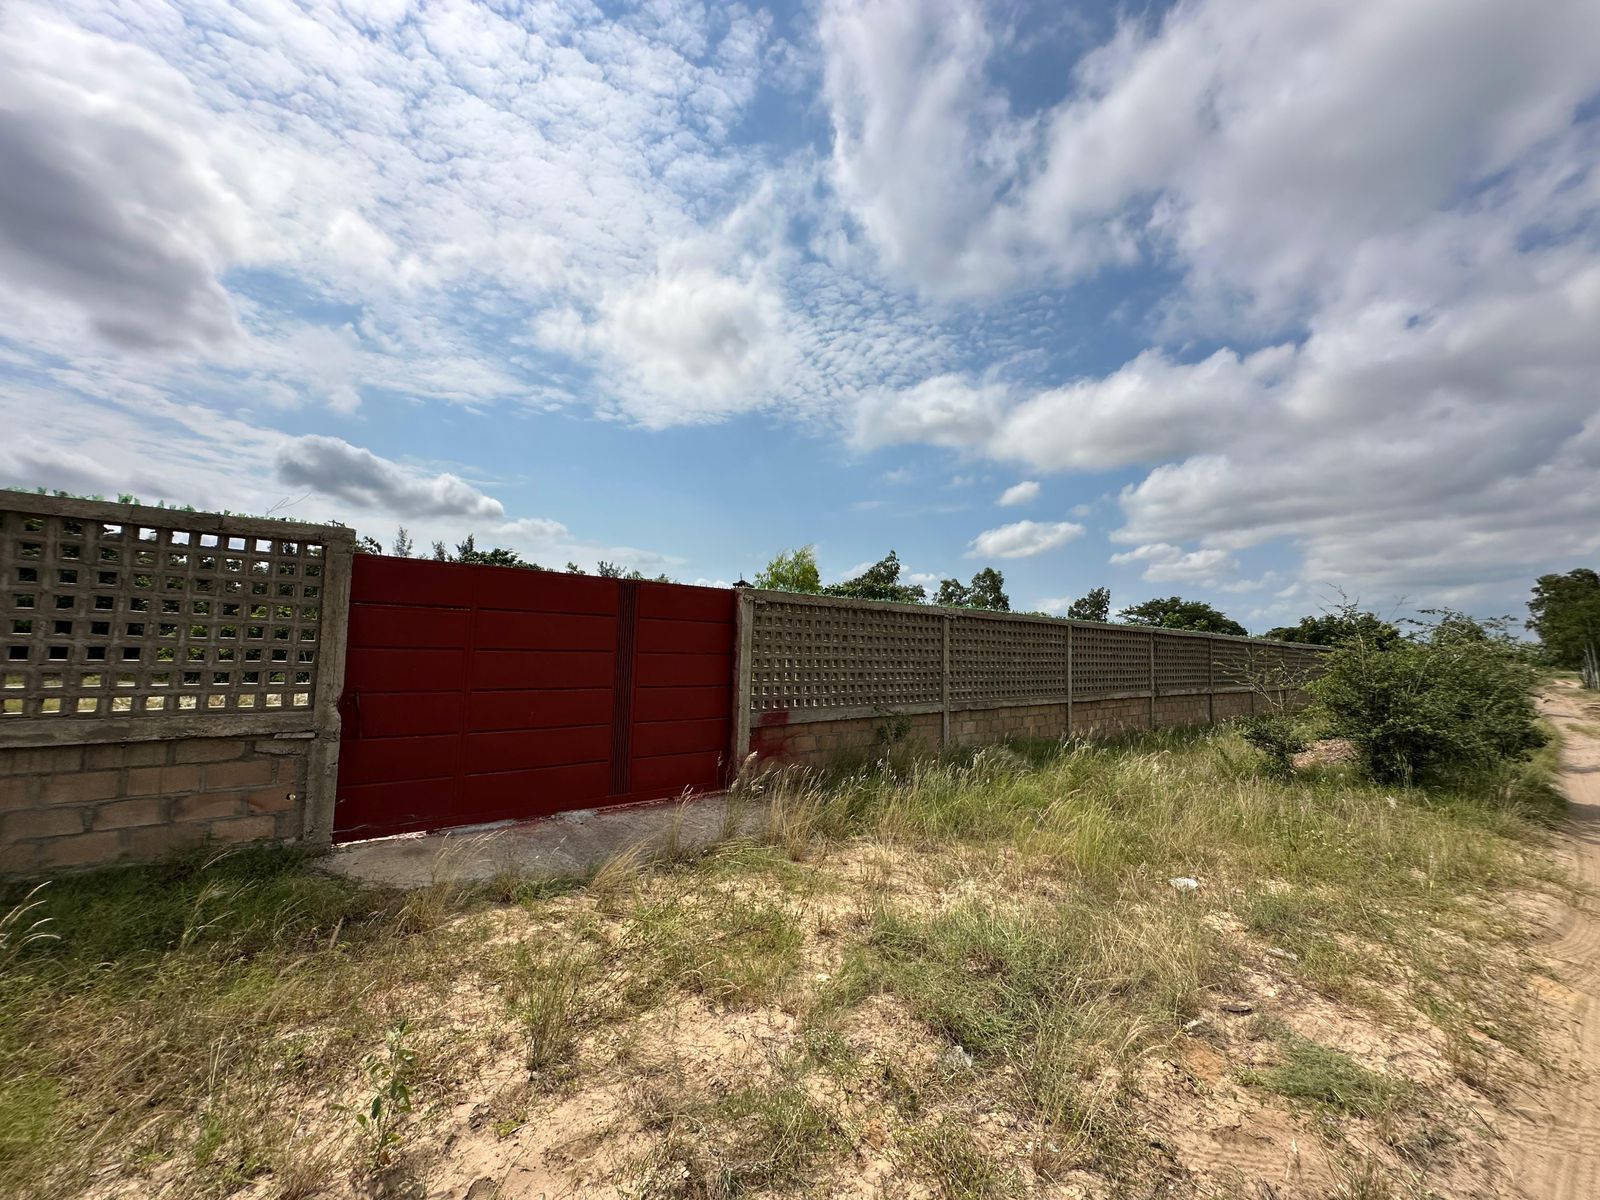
{"x":1174,"y":612}
{"x":402,"y":543}
{"x":880,"y":581}
{"x":1096,"y":606}
{"x":987,"y":591}
{"x":1337,"y":626}
{"x":467,"y":552}
{"x":1565,"y":613}
{"x":367,"y":544}
{"x":792,"y":571}
{"x":611,"y":570}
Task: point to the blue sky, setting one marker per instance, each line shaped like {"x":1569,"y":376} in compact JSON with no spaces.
{"x":1240,"y":301}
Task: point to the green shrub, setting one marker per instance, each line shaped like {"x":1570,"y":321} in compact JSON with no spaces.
{"x":1279,"y":737}
{"x":1453,"y":697}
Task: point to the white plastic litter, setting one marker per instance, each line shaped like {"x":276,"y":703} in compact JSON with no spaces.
{"x":1183,"y":883}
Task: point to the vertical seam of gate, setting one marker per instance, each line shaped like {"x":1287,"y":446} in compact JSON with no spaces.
{"x":622,"y":689}
{"x":468,"y":678}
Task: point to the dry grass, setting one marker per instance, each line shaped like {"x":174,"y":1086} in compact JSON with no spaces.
{"x":971,"y":974}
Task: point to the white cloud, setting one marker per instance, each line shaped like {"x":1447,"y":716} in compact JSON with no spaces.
{"x":1261,"y":143}
{"x":945,"y":410}
{"x":1025,"y":492}
{"x":333,"y":467}
{"x":1148,"y":410}
{"x":1165,"y":563}
{"x":1403,"y":190}
{"x":685,"y":345}
{"x":900,"y":475}
{"x":534,"y":529}
{"x":1381,"y":220}
{"x":108,"y":204}
{"x":1023,"y":539}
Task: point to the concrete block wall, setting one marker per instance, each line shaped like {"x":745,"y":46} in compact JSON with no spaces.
{"x":64,"y":807}
{"x":168,"y":679}
{"x":823,"y":743}
{"x":818,"y":674}
{"x":1231,"y":705}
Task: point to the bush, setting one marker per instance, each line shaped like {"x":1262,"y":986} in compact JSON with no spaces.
{"x":1454,"y":696}
{"x":1279,"y":737}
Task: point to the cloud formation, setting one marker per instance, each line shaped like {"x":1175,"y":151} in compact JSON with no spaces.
{"x":1165,"y":563}
{"x":1406,"y":192}
{"x":1025,"y":492}
{"x":106,"y":204}
{"x":333,"y":467}
{"x":1023,"y":539}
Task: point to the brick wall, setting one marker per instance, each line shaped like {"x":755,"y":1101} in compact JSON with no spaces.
{"x":78,"y":806}
{"x":819,"y":743}
{"x":775,"y":739}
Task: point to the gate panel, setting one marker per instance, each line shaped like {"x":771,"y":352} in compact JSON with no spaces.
{"x":476,"y":694}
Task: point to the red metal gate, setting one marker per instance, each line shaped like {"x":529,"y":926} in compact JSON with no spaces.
{"x":477,"y":694}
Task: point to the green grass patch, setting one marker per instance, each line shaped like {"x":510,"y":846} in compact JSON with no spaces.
{"x":1314,"y":1074}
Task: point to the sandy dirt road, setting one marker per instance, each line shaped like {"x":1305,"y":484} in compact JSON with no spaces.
{"x":1553,"y":1139}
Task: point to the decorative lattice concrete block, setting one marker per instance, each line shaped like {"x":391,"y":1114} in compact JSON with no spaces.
{"x":999,"y":661}
{"x":99,"y":618}
{"x":1109,"y":661}
{"x":807,"y":656}
{"x":1183,"y":664}
{"x":1235,"y":664}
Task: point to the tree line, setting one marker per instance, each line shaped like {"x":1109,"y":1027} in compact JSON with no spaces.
{"x":796,"y":571}
{"x":466,"y":551}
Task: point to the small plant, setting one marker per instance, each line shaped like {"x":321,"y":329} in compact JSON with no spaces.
{"x":1279,"y":738}
{"x":955,"y":1164}
{"x":779,"y":1135}
{"x":17,"y":932}
{"x":389,"y":1074}
{"x":616,"y":878}
{"x":546,"y":999}
{"x":891,"y":727}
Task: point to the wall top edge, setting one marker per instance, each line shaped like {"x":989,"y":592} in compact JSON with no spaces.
{"x":763,"y":595}
{"x":110,"y":512}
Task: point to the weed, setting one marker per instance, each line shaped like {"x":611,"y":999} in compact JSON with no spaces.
{"x":617,"y":877}
{"x":1013,"y":901}
{"x":381,"y":1116}
{"x":18,"y":931}
{"x":778,"y":1135}
{"x":958,"y":1168}
{"x":546,"y":996}
{"x":759,"y":1139}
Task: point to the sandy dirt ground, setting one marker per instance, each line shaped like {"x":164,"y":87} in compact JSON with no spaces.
{"x":1553,"y":1138}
